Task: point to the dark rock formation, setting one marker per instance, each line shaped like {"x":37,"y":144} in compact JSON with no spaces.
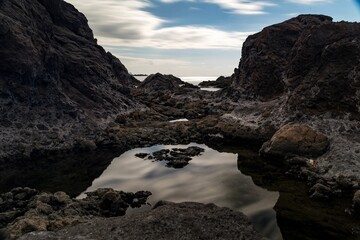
{"x":356,"y":203}
{"x":304,"y":71}
{"x":24,"y":210}
{"x":175,"y":158}
{"x":166,"y":221}
{"x":161,"y":82}
{"x":55,"y":81}
{"x":295,"y":139}
{"x":220,"y":82}
{"x":310,"y":57}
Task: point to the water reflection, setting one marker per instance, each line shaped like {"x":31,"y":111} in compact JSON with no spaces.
{"x":212,"y":177}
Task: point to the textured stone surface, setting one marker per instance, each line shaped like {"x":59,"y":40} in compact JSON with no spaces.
{"x":309,"y":57}
{"x":55,"y":81}
{"x":296,"y":139}
{"x":25,"y":210}
{"x":165,"y":221}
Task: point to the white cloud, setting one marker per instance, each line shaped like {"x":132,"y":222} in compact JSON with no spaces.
{"x":309,"y":1}
{"x":235,"y":6}
{"x":126,"y":24}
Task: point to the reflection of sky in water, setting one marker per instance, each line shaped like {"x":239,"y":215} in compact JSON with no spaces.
{"x":212,"y":177}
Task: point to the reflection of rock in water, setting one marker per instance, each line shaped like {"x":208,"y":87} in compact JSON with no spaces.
{"x":72,"y":173}
{"x":175,"y":157}
{"x":298,"y":216}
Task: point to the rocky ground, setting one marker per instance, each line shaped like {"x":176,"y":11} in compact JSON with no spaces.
{"x":192,"y":221}
{"x":295,"y":96}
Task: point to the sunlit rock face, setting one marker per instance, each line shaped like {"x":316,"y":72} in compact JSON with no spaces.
{"x":53,"y":76}
{"x":310,"y":58}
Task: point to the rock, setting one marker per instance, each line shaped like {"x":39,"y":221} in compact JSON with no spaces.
{"x":310,"y":58}
{"x":356,"y":202}
{"x":46,"y":211}
{"x":220,"y":82}
{"x":64,"y":82}
{"x":175,"y":158}
{"x":320,"y":192}
{"x":296,"y":139}
{"x":166,"y":221}
{"x":28,"y":224}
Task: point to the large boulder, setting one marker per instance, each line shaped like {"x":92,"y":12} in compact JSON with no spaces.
{"x":296,"y":139}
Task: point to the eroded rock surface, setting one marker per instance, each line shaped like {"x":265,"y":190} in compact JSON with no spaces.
{"x":166,"y":221}
{"x":295,"y":139}
{"x":24,"y":210}
{"x":58,"y":87}
{"x":175,"y":158}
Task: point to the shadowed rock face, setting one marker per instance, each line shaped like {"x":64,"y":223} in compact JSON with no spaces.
{"x":310,"y":57}
{"x":53,"y":75}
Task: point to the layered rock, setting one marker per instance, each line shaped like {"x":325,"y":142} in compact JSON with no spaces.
{"x":56,"y":82}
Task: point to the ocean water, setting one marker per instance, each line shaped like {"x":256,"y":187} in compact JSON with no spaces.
{"x":212,"y":177}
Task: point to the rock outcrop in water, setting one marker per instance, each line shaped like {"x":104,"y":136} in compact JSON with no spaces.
{"x":56,"y":83}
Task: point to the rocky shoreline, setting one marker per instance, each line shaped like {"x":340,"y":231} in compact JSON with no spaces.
{"x":297,"y":103}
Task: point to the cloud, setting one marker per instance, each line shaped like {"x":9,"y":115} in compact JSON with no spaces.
{"x":127,"y":24}
{"x":308,"y":2}
{"x":235,"y":6}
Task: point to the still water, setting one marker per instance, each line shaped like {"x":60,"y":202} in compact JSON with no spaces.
{"x":212,"y":177}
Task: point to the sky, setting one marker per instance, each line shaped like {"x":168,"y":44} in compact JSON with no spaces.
{"x":193,"y":37}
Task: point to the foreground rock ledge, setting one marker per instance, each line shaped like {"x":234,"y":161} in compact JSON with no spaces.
{"x":166,"y":221}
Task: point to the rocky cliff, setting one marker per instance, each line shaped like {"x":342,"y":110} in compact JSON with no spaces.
{"x":312,"y":59}
{"x":57,"y":85}
{"x":304,"y":71}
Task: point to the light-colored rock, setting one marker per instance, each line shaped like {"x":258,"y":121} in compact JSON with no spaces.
{"x":296,"y":139}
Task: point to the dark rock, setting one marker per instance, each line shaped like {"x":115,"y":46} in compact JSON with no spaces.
{"x":175,"y":158}
{"x":166,"y":221}
{"x":220,"y":82}
{"x":46,"y":211}
{"x":65,"y":81}
{"x":309,"y":57}
{"x":295,"y":139}
{"x":356,"y":203}
{"x":320,"y":191}
{"x":161,"y":82}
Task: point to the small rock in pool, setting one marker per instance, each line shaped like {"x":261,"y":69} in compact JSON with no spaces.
{"x":175,"y":158}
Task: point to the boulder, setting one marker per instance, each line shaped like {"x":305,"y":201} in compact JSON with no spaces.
{"x":293,"y":140}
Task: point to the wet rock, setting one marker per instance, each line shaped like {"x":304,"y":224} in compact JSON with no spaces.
{"x":320,"y":192}
{"x":356,"y":203}
{"x":296,"y":139}
{"x":166,"y":221}
{"x":175,"y":158}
